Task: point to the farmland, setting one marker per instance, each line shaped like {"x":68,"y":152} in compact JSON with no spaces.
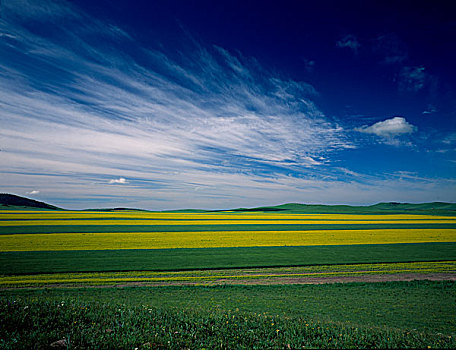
{"x":355,"y":280}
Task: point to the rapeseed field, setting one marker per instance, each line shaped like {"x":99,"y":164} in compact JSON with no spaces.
{"x":211,"y":239}
{"x":75,"y":215}
{"x":264,"y":221}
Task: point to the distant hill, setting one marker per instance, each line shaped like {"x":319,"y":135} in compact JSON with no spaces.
{"x":380,"y":208}
{"x":11,"y":200}
{"x":115,"y":209}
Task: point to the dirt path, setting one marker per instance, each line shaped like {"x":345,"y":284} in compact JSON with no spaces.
{"x":368,"y":278}
{"x":310,"y":280}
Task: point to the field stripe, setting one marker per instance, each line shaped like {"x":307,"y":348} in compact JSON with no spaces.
{"x":121,"y":222}
{"x":163,"y":240}
{"x":43,"y":229}
{"x":101,"y":278}
{"x":49,"y":215}
{"x":210,"y":258}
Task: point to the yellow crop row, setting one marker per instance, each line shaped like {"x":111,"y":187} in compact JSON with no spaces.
{"x":50,"y":215}
{"x":209,"y":222}
{"x":161,"y":240}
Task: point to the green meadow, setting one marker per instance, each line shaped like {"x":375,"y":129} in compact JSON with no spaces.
{"x":355,"y":315}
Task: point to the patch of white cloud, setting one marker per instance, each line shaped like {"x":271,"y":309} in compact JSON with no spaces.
{"x":449,"y":139}
{"x":430,"y":109}
{"x":412,"y":79}
{"x":120,"y":180}
{"x":349,"y":41}
{"x":389,"y":128}
{"x":309,"y":65}
{"x":32,"y":192}
{"x":392,"y":49}
{"x":395,"y":59}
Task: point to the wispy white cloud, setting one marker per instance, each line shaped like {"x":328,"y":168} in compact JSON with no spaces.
{"x":412,"y":79}
{"x":309,"y":65}
{"x":392,"y":49}
{"x":175,"y":122}
{"x":450,"y":139}
{"x":430,"y":109}
{"x":349,"y":41}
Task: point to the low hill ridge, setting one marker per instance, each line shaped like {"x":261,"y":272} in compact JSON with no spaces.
{"x":7,"y":199}
{"x":386,"y":207}
{"x":11,"y":200}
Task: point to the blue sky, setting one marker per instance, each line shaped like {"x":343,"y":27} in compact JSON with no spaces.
{"x":203,"y":104}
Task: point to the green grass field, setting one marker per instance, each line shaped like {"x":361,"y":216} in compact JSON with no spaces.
{"x":216,"y":258}
{"x":245,"y":291}
{"x":354,"y":315}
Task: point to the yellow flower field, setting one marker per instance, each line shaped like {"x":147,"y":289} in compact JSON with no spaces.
{"x":161,"y":240}
{"x":55,"y":215}
{"x":212,"y":222}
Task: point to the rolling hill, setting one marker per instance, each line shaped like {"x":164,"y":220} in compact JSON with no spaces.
{"x":380,"y":208}
{"x":11,"y":201}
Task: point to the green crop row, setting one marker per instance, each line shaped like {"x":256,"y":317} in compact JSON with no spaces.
{"x":12,"y":263}
{"x":39,"y":228}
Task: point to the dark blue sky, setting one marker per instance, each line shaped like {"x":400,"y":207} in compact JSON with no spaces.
{"x":219,"y":104}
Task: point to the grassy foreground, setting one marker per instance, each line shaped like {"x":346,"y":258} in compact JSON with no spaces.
{"x":379,"y":315}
